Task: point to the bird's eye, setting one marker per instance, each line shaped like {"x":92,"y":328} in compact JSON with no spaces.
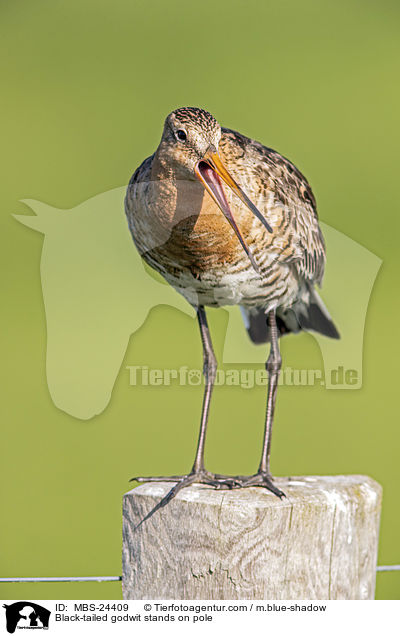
{"x":181,"y":135}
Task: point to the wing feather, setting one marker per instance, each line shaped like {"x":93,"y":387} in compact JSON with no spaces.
{"x":291,"y":191}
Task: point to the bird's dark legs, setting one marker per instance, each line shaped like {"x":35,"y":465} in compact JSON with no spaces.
{"x":198,"y":473}
{"x":273,"y":366}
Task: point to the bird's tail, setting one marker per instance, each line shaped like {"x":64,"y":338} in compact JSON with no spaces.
{"x":307,"y":314}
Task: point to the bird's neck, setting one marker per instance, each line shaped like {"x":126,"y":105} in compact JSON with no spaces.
{"x":161,"y":168}
{"x":169,"y":166}
{"x":173,"y":194}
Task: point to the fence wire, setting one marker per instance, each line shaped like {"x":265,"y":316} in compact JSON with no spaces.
{"x":107,"y":579}
{"x":60,"y":579}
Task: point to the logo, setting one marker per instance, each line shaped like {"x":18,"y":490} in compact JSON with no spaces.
{"x":26,"y":615}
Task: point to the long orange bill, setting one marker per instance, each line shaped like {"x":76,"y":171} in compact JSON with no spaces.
{"x":210,"y":171}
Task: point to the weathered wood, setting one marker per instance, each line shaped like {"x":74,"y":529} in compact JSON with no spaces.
{"x":318,"y":543}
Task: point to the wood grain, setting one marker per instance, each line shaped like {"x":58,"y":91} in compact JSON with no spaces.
{"x":318,"y":543}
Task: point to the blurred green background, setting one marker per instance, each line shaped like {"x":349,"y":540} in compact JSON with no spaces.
{"x":85,"y":88}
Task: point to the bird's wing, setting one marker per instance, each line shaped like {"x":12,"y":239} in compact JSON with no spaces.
{"x":284,"y":186}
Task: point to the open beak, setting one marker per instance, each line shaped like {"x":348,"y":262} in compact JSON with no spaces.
{"x":210,"y":170}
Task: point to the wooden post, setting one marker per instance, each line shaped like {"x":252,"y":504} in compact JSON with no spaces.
{"x":318,"y":543}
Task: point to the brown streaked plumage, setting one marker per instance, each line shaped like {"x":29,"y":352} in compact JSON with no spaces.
{"x":227,"y":221}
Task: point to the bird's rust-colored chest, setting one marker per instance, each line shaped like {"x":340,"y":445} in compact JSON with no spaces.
{"x":180,"y":224}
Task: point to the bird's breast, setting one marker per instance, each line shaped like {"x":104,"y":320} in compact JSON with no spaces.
{"x":183,"y":234}
{"x":179,"y":222}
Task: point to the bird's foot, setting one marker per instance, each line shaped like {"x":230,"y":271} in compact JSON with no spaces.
{"x":265,"y":480}
{"x":219,"y":482}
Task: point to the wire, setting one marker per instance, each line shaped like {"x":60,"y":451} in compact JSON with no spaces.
{"x":102,"y":579}
{"x":60,"y":579}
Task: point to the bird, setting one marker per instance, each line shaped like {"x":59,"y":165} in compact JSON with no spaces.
{"x":228,"y":221}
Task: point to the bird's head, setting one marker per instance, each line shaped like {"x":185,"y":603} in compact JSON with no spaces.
{"x":189,"y":134}
{"x":189,"y":148}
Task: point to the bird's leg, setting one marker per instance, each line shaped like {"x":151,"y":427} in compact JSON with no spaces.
{"x":209,"y":372}
{"x":273,"y":366}
{"x":198,"y":473}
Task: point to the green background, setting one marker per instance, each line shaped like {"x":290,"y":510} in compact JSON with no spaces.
{"x":85,"y":88}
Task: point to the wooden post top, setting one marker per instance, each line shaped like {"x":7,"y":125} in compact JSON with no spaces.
{"x":332,"y":490}
{"x":319,"y":542}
